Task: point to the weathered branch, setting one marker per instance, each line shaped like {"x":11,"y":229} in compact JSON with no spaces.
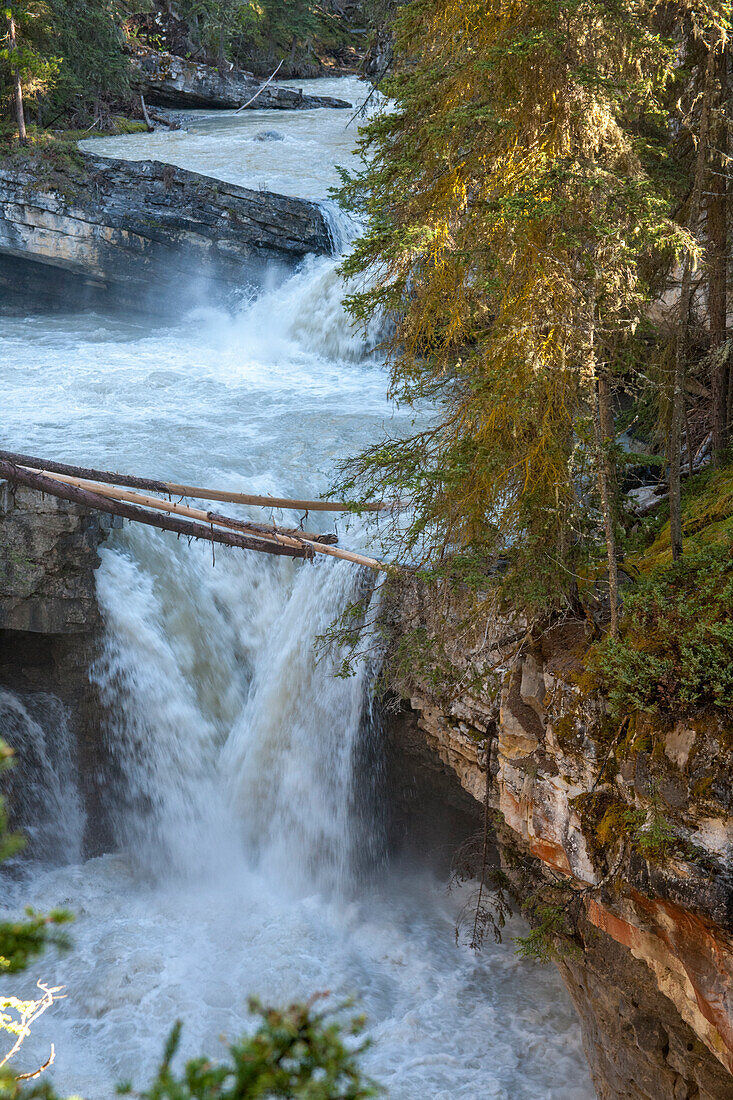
{"x":297,"y":539}
{"x":260,"y":89}
{"x":685,"y":303}
{"x":146,"y":116}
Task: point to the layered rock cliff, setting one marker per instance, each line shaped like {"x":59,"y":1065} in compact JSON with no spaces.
{"x":142,"y":232}
{"x":622,"y":829}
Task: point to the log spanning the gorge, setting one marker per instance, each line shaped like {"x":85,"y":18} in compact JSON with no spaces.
{"x":174,"y":489}
{"x":197,"y":523}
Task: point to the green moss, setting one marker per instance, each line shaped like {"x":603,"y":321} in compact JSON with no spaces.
{"x":58,"y":150}
{"x":119,"y":124}
{"x":707,"y":520}
{"x":601,"y":815}
{"x":702,"y":789}
{"x":607,"y":819}
{"x":565,"y":730}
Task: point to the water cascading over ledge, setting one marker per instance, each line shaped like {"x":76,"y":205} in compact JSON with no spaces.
{"x":243,"y":851}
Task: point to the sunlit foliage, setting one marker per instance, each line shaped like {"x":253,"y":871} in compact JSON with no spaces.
{"x":512,"y":220}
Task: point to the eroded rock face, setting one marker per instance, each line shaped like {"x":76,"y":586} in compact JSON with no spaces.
{"x":170,"y":81}
{"x":48,"y":554}
{"x":654,"y":983}
{"x":49,"y":632}
{"x":146,"y":233}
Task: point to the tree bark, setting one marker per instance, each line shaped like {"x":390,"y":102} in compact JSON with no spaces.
{"x":297,"y":540}
{"x":146,"y":116}
{"x":17,"y":85}
{"x":684,"y":306}
{"x":606,"y":483}
{"x":717,"y":260}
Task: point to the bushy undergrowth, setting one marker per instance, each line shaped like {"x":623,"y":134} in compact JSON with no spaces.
{"x":676,"y":644}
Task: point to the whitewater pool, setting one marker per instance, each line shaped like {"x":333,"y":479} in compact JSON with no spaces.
{"x":243,"y":839}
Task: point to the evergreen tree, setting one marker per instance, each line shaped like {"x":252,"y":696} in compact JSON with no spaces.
{"x":95,"y":70}
{"x":510,"y":220}
{"x":25,"y":69}
{"x":266,"y":32}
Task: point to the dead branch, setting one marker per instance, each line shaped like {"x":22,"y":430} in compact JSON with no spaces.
{"x":260,"y":89}
{"x":28,"y":1016}
{"x":268,"y":535}
{"x":146,"y":116}
{"x":101,"y":503}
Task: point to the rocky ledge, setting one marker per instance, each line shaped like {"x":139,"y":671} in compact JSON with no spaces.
{"x":144,"y":232}
{"x":626,"y":828}
{"x":170,"y":81}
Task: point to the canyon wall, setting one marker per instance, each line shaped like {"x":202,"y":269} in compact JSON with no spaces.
{"x":623,"y":827}
{"x":626,"y":830}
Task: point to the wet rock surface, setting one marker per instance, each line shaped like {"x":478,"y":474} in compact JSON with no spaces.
{"x":145,"y":233}
{"x":169,"y":81}
{"x":48,"y":554}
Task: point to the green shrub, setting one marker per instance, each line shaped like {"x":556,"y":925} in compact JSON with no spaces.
{"x":676,"y":644}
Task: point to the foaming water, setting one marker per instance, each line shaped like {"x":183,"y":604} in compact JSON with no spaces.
{"x":299,"y":160}
{"x":250,"y":849}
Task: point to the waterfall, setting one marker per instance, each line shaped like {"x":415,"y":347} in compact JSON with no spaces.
{"x":245,"y":779}
{"x":41,"y":786}
{"x":235,"y":739}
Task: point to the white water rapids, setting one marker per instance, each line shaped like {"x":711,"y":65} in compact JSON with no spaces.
{"x":245,"y":827}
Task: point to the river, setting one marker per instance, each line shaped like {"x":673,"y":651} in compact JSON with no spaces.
{"x":249,"y":860}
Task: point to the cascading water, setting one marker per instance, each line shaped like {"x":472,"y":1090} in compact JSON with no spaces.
{"x":241,"y":762}
{"x":41,"y":788}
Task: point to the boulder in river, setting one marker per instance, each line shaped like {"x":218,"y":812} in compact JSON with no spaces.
{"x":169,"y":81}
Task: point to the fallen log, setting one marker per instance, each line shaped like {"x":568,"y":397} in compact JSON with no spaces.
{"x":174,"y":489}
{"x":100,"y":503}
{"x":328,"y":538}
{"x":172,"y":508}
{"x":171,"y":123}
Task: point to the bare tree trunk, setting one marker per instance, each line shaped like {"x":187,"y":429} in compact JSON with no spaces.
{"x":100,"y":503}
{"x":604,"y":431}
{"x":717,"y":260}
{"x":146,"y":116}
{"x":685,"y":303}
{"x":606,"y":484}
{"x":17,"y":85}
{"x":608,"y":431}
{"x":172,"y":488}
